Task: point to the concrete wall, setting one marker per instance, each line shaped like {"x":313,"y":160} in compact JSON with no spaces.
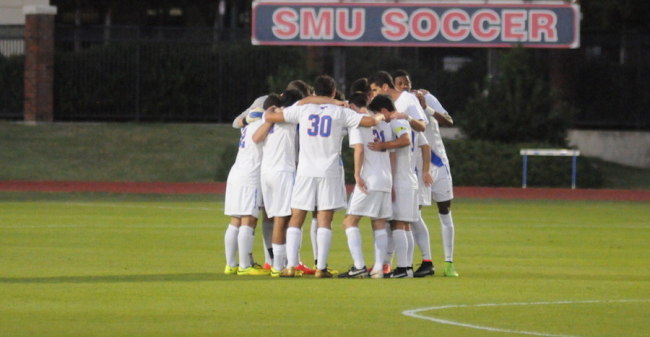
{"x":11,"y":11}
{"x":630,"y":148}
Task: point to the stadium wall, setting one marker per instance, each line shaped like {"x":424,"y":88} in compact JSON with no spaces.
{"x":624,"y":147}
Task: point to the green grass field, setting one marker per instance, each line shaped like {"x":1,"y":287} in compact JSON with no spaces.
{"x":138,"y":265}
{"x":155,"y":152}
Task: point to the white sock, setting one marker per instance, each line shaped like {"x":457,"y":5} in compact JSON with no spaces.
{"x":390,"y":246}
{"x":324,"y":242}
{"x":447,"y":229}
{"x":381,"y":241}
{"x":422,"y":238}
{"x":279,"y":256}
{"x":313,"y":227}
{"x":230,"y":244}
{"x":267,"y":232}
{"x":354,"y":243}
{"x":245,"y":241}
{"x":410,"y":247}
{"x":401,"y":247}
{"x":294,"y":236}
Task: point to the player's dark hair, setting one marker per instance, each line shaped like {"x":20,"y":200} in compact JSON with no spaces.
{"x":272,"y":100}
{"x":359,"y":99}
{"x":291,"y":96}
{"x":380,"y":78}
{"x":301,"y":86}
{"x":399,"y":73}
{"x":381,"y":101}
{"x":324,"y":85}
{"x":360,"y":85}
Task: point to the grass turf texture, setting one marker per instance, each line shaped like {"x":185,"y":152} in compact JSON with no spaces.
{"x":122,"y":265}
{"x":113,"y":151}
{"x":142,"y":152}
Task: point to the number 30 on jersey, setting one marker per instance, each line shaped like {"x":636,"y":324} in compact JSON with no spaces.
{"x":320,"y":125}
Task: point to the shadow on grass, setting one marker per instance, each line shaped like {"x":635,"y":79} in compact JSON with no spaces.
{"x":188,"y":277}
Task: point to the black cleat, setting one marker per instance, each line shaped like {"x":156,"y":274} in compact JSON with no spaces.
{"x":426,"y":269}
{"x":402,"y":272}
{"x":355,"y":273}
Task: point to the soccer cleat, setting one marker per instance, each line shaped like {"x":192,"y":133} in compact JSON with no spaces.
{"x":290,"y":272}
{"x":253,"y":271}
{"x":355,"y":273}
{"x":275,"y":272}
{"x":330,"y":270}
{"x":402,"y":272}
{"x":230,"y":270}
{"x":450,"y":271}
{"x":267,"y":266}
{"x":426,"y":269}
{"x":305,"y":270}
{"x":376,"y":274}
{"x":386,"y":271}
{"x":324,"y":273}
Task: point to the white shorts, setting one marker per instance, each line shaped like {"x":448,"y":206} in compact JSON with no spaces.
{"x":311,"y":193}
{"x":442,"y":187}
{"x":276,"y":192}
{"x":405,"y":206}
{"x":375,"y":204}
{"x":242,"y":200}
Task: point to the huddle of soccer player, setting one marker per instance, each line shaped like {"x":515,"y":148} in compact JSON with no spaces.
{"x":289,"y":164}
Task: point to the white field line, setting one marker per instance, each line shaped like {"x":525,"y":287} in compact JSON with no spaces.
{"x":101,"y":204}
{"x":415,"y":314}
{"x":111,"y":226}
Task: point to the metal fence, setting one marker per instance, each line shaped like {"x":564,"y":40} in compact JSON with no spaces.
{"x":141,"y":73}
{"x":135,"y":73}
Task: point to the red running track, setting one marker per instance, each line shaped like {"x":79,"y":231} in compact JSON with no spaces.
{"x":219,"y":188}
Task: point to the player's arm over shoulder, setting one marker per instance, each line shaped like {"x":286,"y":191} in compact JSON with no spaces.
{"x":274,"y":115}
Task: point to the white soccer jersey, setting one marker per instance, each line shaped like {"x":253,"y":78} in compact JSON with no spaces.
{"x":320,"y":136}
{"x":246,"y":169}
{"x":409,"y":104}
{"x":404,"y":174}
{"x":375,"y":170}
{"x":280,"y":149}
{"x":432,"y":132}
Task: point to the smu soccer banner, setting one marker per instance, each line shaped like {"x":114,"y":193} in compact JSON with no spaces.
{"x":416,"y":25}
